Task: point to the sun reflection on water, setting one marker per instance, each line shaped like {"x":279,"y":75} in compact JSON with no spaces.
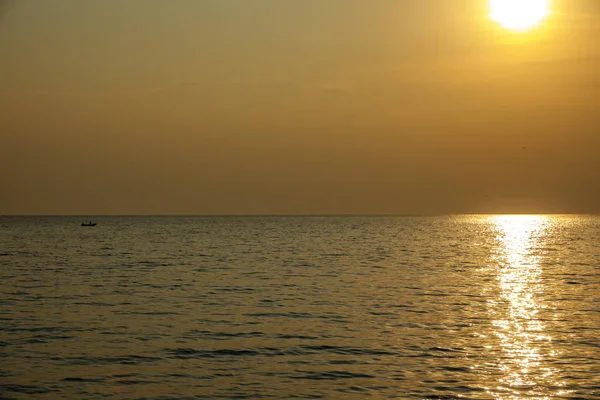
{"x":524,"y":345}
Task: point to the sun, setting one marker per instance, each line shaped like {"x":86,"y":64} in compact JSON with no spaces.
{"x":519,"y":15}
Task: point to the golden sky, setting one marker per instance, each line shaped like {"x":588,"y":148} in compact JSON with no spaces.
{"x":296,"y":107}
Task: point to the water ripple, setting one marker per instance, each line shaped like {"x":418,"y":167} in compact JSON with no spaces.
{"x":465,"y":307}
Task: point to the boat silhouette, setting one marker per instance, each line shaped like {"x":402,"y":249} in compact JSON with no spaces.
{"x":88,"y":224}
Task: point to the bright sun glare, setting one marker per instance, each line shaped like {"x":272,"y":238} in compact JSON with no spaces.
{"x":519,"y":15}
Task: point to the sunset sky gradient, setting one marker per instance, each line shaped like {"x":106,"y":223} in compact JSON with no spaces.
{"x":296,"y":107}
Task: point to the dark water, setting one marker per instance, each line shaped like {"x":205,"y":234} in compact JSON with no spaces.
{"x":474,"y":307}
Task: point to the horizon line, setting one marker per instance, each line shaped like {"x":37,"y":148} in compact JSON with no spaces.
{"x":303,"y":214}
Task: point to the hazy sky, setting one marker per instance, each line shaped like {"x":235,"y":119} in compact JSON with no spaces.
{"x":296,"y":106}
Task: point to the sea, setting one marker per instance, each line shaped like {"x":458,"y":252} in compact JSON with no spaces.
{"x":300,"y":307}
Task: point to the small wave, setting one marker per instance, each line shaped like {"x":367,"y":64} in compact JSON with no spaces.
{"x":383,"y":313}
{"x":234,"y":289}
{"x":146,"y":312}
{"x":344,"y":362}
{"x":456,"y":369}
{"x":125,"y":360}
{"x":34,"y":341}
{"x":84,"y":380}
{"x":153,"y":264}
{"x":131,"y":382}
{"x":26,"y":389}
{"x":131,"y":375}
{"x":49,"y":329}
{"x":346,"y":350}
{"x":93,"y":304}
{"x":446,"y":350}
{"x":279,"y":315}
{"x":300,"y":337}
{"x":221,"y":335}
{"x":331,"y":375}
{"x":44,"y":339}
{"x":186,"y":353}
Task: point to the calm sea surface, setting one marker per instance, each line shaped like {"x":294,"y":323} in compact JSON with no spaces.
{"x":473,"y":307}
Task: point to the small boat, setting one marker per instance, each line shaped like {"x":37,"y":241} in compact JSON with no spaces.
{"x":89,"y":224}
